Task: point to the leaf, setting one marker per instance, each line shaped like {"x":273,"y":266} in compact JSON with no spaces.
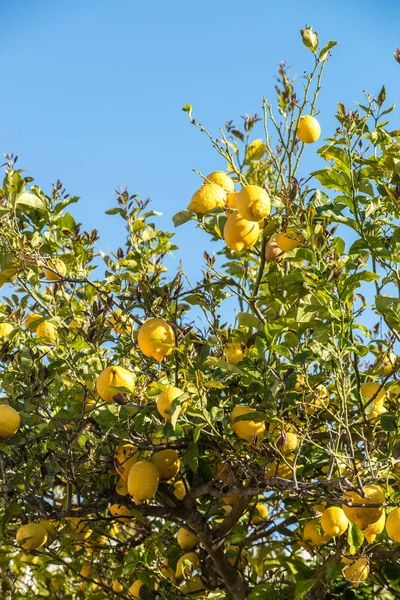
{"x":67,"y":221}
{"x":302,"y":587}
{"x":28,"y":200}
{"x":217,"y":385}
{"x":255,"y":151}
{"x":382,"y":96}
{"x":355,"y":537}
{"x":8,"y":268}
{"x":249,"y":320}
{"x":182,"y":217}
{"x":263,"y":591}
{"x":325,"y":51}
{"x":188,"y":109}
{"x":388,"y":422}
{"x":390,"y":309}
{"x":306,"y":254}
{"x":191,"y":457}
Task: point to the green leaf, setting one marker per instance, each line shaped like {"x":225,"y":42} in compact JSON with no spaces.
{"x":182,"y":217}
{"x":302,"y":587}
{"x":390,"y":309}
{"x":388,"y":422}
{"x":310,"y":39}
{"x":249,"y":320}
{"x":27,"y":200}
{"x":255,"y":151}
{"x":323,"y":55}
{"x":382,"y":96}
{"x":191,"y":457}
{"x":188,"y":109}
{"x":306,"y":254}
{"x":263,"y":591}
{"x":67,"y":221}
{"x":355,"y":537}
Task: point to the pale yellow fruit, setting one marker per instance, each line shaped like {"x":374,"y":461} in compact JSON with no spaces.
{"x":143,"y":479}
{"x":282,"y":470}
{"x":208,"y":197}
{"x":260,"y":514}
{"x":179,"y":490}
{"x":156,"y":339}
{"x":85,"y":571}
{"x":50,"y":527}
{"x":246,"y":430}
{"x":388,"y":364}
{"x":253,"y":203}
{"x":312,"y":536}
{"x":308,"y":129}
{"x":120,"y":322}
{"x":30,"y":320}
{"x":47,"y":332}
{"x":393,"y":525}
{"x":334,"y":521}
{"x":134,"y":590}
{"x":369,"y":390}
{"x":221,"y":179}
{"x":80,"y":527}
{"x":285,"y":437}
{"x":167,"y":572}
{"x":185,"y":570}
{"x":230,"y":500}
{"x":273,"y":253}
{"x":232,"y":555}
{"x":117,"y":587}
{"x":289,"y":240}
{"x":186,"y":540}
{"x":240,"y":234}
{"x":5,"y":329}
{"x":121,"y":488}
{"x":111,"y":379}
{"x":375,"y":529}
{"x":165,"y":400}
{"x":10,"y":421}
{"x":231,"y":199}
{"x":122,"y":513}
{"x":364,"y":516}
{"x":55,"y":269}
{"x":193,"y":585}
{"x":357,"y":571}
{"x":31,"y":536}
{"x":233,"y":352}
{"x":126,"y":456}
{"x":167,"y":463}
{"x":319,"y":400}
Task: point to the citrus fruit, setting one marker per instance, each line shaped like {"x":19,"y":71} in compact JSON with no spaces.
{"x":167,"y":463}
{"x":167,"y":572}
{"x":193,"y":585}
{"x":289,"y":240}
{"x":186,"y":540}
{"x":334,"y":521}
{"x":156,"y":338}
{"x":246,"y":429}
{"x":364,"y":516}
{"x":111,"y":379}
{"x":319,"y":399}
{"x":240,"y":234}
{"x":10,"y":421}
{"x":55,"y":269}
{"x":233,"y":352}
{"x":375,"y":529}
{"x":281,"y":469}
{"x":80,"y":527}
{"x":50,"y":527}
{"x":165,"y":400}
{"x":357,"y":571}
{"x":143,"y":481}
{"x":125,"y":456}
{"x":31,"y":536}
{"x":30,"y":320}
{"x":121,"y":513}
{"x":186,"y":569}
{"x":308,"y":129}
{"x":369,"y":390}
{"x":208,"y":197}
{"x":273,"y":253}
{"x":386,"y":364}
{"x":117,"y":587}
{"x":393,"y":525}
{"x":221,"y":179}
{"x":47,"y":332}
{"x":253,"y":203}
{"x":312,"y":536}
{"x":260,"y":513}
{"x":231,"y":199}
{"x":5,"y":329}
{"x":179,"y":490}
{"x":120,"y":322}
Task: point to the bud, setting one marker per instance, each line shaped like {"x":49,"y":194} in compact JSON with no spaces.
{"x":397,"y":55}
{"x":310,"y":39}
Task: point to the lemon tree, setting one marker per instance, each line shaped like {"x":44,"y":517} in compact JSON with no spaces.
{"x":159,"y":443}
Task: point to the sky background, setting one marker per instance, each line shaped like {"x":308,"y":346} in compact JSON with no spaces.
{"x":92,"y":91}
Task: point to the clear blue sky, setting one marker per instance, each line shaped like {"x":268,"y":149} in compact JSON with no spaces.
{"x":92,"y":90}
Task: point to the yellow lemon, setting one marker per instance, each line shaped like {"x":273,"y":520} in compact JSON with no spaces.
{"x":312,"y":536}
{"x":273,"y":253}
{"x":134,"y":590}
{"x":179,"y":490}
{"x":165,"y":400}
{"x":120,"y":322}
{"x":143,"y":481}
{"x":193,"y":585}
{"x":308,"y":129}
{"x":208,"y":197}
{"x":369,"y":389}
{"x":246,"y":430}
{"x":5,"y":329}
{"x":85,"y":571}
{"x":126,"y":456}
{"x":364,"y":516}
{"x":31,"y":536}
{"x":357,"y":571}
{"x":221,"y":179}
{"x":167,"y":463}
{"x":386,"y":364}
{"x":167,"y":572}
{"x":233,"y":352}
{"x":281,"y":469}
{"x":30,"y":320}
{"x":186,"y":540}
{"x":111,"y":379}
{"x":230,"y":500}
{"x":120,"y":512}
{"x":319,"y":400}
{"x":55,"y":269}
{"x":289,"y":240}
{"x":375,"y":529}
{"x":182,"y":569}
{"x":393,"y":525}
{"x":231,"y":199}
{"x":285,"y":437}
{"x":240,"y":234}
{"x":117,"y":587}
{"x":50,"y":527}
{"x":334,"y":521}
{"x":253,"y":203}
{"x":260,"y":514}
{"x":80,"y":527}
{"x":47,"y":332}
{"x":10,"y":421}
{"x":156,"y":338}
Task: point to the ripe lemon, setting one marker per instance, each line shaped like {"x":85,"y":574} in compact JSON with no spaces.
{"x":5,"y":329}
{"x":126,"y":456}
{"x":273,"y":253}
{"x":167,"y":572}
{"x":363,"y":516}
{"x":117,"y":587}
{"x":282,"y":470}
{"x":185,"y":570}
{"x":240,"y":234}
{"x":30,"y":320}
{"x":319,"y":400}
{"x":231,"y":199}
{"x":369,"y":390}
{"x":385,"y":364}
{"x":221,"y":179}
{"x":31,"y":536}
{"x":233,"y":353}
{"x":10,"y":421}
{"x":156,"y":338}
{"x":208,"y":197}
{"x":55,"y":270}
{"x":122,"y":513}
{"x":111,"y":379}
{"x":393,"y":525}
{"x":260,"y":514}
{"x":179,"y":490}
{"x":167,"y":463}
{"x":375,"y":529}
{"x":47,"y":332}
{"x":120,"y":322}
{"x":165,"y":400}
{"x":80,"y":527}
{"x":51,"y":528}
{"x":186,"y":540}
{"x":143,"y":481}
{"x":308,"y":129}
{"x":193,"y":585}
{"x":357,"y":571}
{"x":85,"y":571}
{"x":246,"y":430}
{"x":253,"y":203}
{"x":285,"y":437}
{"x":312,"y":536}
{"x":333,"y":521}
{"x":289,"y":240}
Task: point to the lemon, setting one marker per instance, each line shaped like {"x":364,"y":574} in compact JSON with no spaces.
{"x":31,"y":536}
{"x":156,"y":338}
{"x":231,"y":199}
{"x":282,"y":470}
{"x":10,"y":421}
{"x":117,"y":587}
{"x":185,"y":570}
{"x":55,"y":269}
{"x":186,"y":540}
{"x":111,"y":379}
{"x":375,"y":529}
{"x":240,"y":234}
{"x":285,"y":437}
{"x":165,"y":400}
{"x":120,"y":322}
{"x":221,"y":179}
{"x":79,"y":527}
{"x":208,"y":197}
{"x":246,"y":430}
{"x":125,"y":456}
{"x":312,"y":536}
{"x":193,"y":585}
{"x":357,"y":571}
{"x":85,"y":571}
{"x":48,"y":332}
{"x":333,"y":521}
{"x":253,"y":203}
{"x":167,"y":572}
{"x":232,"y":499}
{"x":179,"y":490}
{"x":393,"y":525}
{"x":120,"y":512}
{"x":289,"y":240}
{"x":233,"y":353}
{"x":5,"y":329}
{"x":51,"y":528}
{"x":363,"y":516}
{"x":167,"y":463}
{"x":386,"y":364}
{"x":143,"y":481}
{"x":135,"y":588}
{"x":273,"y":253}
{"x":30,"y":320}
{"x":260,"y":514}
{"x":369,"y":389}
{"x":308,"y":129}
{"x":320,"y":399}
